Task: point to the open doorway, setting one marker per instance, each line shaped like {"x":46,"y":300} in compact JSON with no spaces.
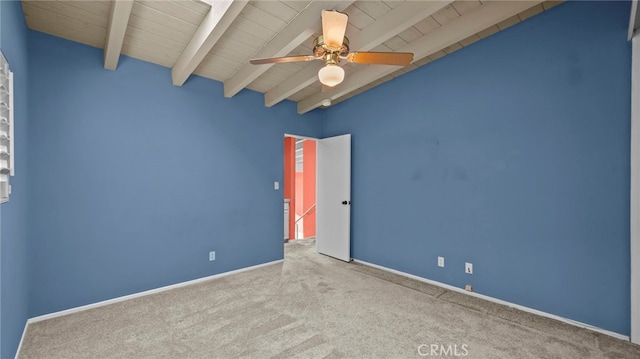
{"x":325,"y":212}
{"x":299,"y":187}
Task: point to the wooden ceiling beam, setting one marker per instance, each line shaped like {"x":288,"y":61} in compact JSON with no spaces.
{"x":215,"y":24}
{"x":118,"y":20}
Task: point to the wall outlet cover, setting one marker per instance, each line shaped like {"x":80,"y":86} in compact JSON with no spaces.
{"x":468,"y":268}
{"x":212,"y":256}
{"x":440,"y":261}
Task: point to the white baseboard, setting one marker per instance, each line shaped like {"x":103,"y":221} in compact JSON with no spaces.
{"x":499,"y":301}
{"x":147,"y":292}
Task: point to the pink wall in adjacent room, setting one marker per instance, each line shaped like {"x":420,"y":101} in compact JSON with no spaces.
{"x":309,"y":187}
{"x":289,"y":181}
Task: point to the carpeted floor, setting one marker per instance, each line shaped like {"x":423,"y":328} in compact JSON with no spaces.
{"x":312,"y":306}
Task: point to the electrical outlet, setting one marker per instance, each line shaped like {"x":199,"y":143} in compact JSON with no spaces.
{"x":468,"y":288}
{"x":468,"y":268}
{"x":212,"y":256}
{"x":276,"y":185}
{"x":440,"y":261}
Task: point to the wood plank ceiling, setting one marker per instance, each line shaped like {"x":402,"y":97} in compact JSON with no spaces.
{"x":216,"y":38}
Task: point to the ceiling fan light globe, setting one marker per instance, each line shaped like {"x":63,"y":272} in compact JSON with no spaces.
{"x":331,"y":75}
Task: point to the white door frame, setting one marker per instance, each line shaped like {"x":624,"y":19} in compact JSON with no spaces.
{"x":635,"y":190}
{"x":301,"y":137}
{"x":295,"y":234}
{"x":317,"y":174}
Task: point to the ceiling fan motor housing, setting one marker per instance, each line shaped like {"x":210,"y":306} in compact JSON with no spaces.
{"x":320,"y":48}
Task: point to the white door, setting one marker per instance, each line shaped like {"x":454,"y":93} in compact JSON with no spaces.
{"x":333,"y":197}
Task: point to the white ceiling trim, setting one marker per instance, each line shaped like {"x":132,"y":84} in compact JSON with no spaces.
{"x":383,"y":29}
{"x":120,"y":11}
{"x":305,"y":24}
{"x":215,"y":24}
{"x":459,"y":29}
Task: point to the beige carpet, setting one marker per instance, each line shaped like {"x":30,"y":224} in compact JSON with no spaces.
{"x":312,"y":306}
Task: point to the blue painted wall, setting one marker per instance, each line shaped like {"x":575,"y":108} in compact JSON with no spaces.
{"x":134,"y":180}
{"x":13,"y":218}
{"x":512,"y":154}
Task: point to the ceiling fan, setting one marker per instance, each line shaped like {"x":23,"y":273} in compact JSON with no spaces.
{"x":332,"y":46}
